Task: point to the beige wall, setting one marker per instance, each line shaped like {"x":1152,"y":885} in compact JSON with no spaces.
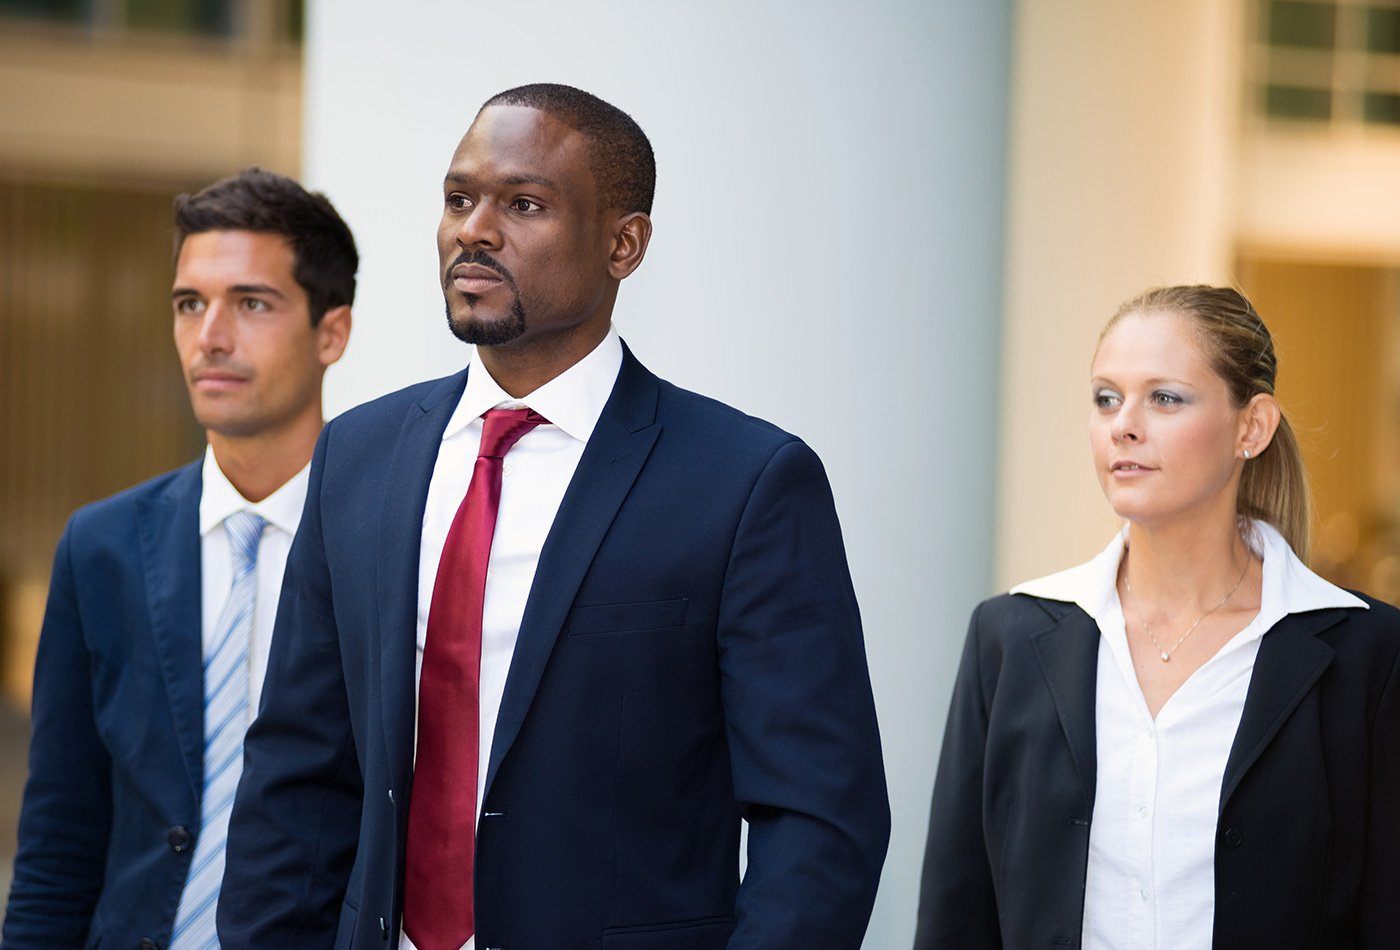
{"x":144,"y":107}
{"x":1123,"y":149}
{"x":1328,"y":194}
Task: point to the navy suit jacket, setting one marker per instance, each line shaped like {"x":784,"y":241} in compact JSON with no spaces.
{"x":1307,"y":852}
{"x":116,"y":756}
{"x":690,"y":654}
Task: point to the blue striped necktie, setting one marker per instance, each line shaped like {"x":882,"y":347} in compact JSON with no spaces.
{"x":225,"y":720}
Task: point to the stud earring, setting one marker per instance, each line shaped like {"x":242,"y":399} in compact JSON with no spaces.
{"x":1246,"y":455}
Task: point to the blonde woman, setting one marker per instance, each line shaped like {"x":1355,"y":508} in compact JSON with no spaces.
{"x":1192,"y":740}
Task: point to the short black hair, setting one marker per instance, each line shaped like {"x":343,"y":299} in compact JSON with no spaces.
{"x":620,"y":154}
{"x":323,"y":249}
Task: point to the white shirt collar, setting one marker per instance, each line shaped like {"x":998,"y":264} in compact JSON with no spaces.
{"x":218,"y":499}
{"x":1289,"y":587}
{"x":573,"y":401}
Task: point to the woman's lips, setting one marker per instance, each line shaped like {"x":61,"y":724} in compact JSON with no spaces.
{"x":1130,"y":470}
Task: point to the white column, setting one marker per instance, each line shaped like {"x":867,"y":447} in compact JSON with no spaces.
{"x":827,"y":255}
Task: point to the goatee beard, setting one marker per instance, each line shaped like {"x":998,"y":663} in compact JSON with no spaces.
{"x":488,"y":333}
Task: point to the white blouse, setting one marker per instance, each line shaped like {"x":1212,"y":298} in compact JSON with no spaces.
{"x":1151,"y":873}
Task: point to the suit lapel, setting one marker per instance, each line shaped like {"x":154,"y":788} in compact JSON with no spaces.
{"x":1069,"y":659}
{"x":620,"y":444}
{"x":168,"y":524}
{"x":1290,"y":660}
{"x":399,"y":540}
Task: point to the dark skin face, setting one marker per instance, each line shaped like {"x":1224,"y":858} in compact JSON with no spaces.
{"x":530,"y":262}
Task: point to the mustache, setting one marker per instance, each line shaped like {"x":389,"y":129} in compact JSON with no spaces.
{"x":477,"y":256}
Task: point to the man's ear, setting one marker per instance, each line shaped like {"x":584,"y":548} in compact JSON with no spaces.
{"x":631,"y":234}
{"x":332,"y":334}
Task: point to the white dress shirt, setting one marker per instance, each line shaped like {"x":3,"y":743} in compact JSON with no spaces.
{"x":535,"y":474}
{"x":282,"y":511}
{"x":1151,"y":874}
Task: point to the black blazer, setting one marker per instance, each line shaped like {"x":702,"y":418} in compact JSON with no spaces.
{"x":1307,"y":848}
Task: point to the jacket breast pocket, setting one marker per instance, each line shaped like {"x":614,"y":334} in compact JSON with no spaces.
{"x":598,"y":619}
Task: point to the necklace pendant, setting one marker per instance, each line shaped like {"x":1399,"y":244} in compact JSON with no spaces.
{"x":1165,"y":656}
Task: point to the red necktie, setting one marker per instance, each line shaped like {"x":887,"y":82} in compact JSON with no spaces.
{"x":440,"y":861}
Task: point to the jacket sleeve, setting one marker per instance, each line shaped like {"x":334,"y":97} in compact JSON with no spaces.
{"x":66,"y":818}
{"x":295,"y":822}
{"x":800,"y":718}
{"x":1379,"y":917}
{"x":957,"y":900}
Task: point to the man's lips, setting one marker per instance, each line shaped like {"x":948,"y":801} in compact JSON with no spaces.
{"x":475,"y":278}
{"x":218,"y":380}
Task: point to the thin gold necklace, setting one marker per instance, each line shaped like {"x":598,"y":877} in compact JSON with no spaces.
{"x":1167,"y":654}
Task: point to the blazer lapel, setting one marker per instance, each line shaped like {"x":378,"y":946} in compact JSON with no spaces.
{"x":619,"y":446}
{"x":399,"y":540}
{"x":1290,"y":660}
{"x":1069,"y":659}
{"x":168,"y":524}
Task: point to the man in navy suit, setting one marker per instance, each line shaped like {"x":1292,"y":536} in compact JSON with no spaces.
{"x":623,"y":611}
{"x":161,"y":605}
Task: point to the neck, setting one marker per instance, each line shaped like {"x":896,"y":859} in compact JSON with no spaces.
{"x":521,"y":369}
{"x":1190,"y":565}
{"x":258,"y":465}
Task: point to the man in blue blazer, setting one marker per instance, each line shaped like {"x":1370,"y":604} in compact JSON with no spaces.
{"x":644,"y":594}
{"x":155,"y":639}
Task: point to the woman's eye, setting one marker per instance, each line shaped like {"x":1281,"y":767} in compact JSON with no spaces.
{"x":1105,"y":400}
{"x":1166,"y":399}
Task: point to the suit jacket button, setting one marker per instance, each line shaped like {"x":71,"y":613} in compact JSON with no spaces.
{"x":383,"y":929}
{"x":1232,"y":837}
{"x":147,"y":944}
{"x":180,"y":839}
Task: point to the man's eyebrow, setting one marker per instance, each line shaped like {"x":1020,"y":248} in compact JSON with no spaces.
{"x":509,"y":181}
{"x":236,"y":289}
{"x":258,"y":289}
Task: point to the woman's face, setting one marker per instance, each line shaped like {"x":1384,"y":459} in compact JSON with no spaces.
{"x":1164,"y":431}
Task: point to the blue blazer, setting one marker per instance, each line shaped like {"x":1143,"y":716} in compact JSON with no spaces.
{"x":690,"y":654}
{"x":116,"y":757}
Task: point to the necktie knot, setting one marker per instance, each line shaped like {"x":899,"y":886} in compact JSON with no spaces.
{"x":244,"y":531}
{"x":502,"y":428}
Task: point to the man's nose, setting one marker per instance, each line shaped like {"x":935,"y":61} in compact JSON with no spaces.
{"x":216,"y":331}
{"x":480,"y":228}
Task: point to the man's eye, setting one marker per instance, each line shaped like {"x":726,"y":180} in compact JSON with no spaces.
{"x":458,"y":202}
{"x":254,"y":304}
{"x":189,"y":305}
{"x":524,"y":204}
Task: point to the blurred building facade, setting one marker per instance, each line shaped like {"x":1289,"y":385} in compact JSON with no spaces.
{"x":109,"y":108}
{"x":1254,"y":143}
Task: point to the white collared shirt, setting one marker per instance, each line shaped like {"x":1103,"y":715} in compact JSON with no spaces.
{"x":535,"y":474}
{"x":282,"y":510}
{"x":1151,"y":874}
